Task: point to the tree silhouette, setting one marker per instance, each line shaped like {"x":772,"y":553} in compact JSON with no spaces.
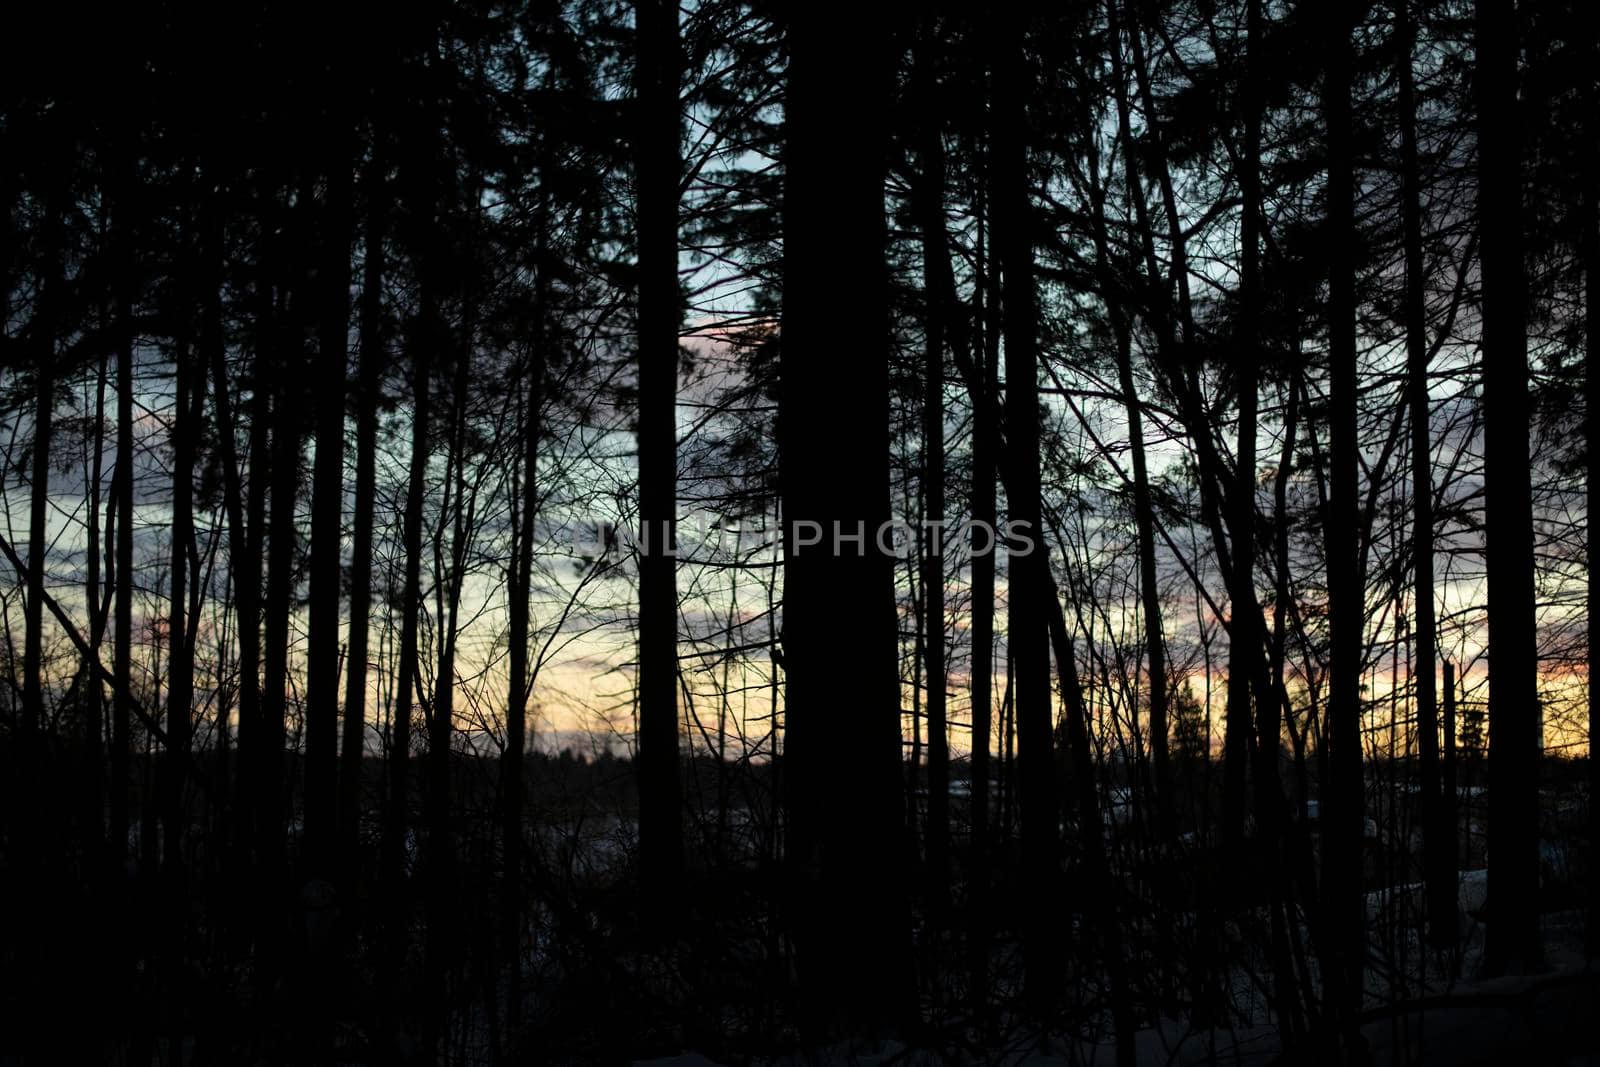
{"x":613,"y":530}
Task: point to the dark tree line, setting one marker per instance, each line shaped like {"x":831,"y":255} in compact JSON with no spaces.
{"x":579,"y":531}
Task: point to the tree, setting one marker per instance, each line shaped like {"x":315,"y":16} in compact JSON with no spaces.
{"x":1027,"y":573}
{"x":423,"y":335}
{"x":122,"y":193}
{"x":985,"y":396}
{"x":656,"y":179}
{"x":844,"y":832}
{"x":327,"y":491}
{"x":1344,"y":793}
{"x":682,"y":269}
{"x":1590,"y":245}
{"x":373,"y":362}
{"x":1244,"y":619}
{"x":1439,"y":839}
{"x":934,"y":267}
{"x":280,"y":354}
{"x":1512,"y":945}
{"x":512,"y":785}
{"x":1143,"y":510}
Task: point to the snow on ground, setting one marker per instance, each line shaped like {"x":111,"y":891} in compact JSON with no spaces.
{"x":1512,"y":1021}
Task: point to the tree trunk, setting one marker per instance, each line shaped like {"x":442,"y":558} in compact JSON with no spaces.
{"x":280,"y":563}
{"x":656,"y":178}
{"x":394,"y":836}
{"x":122,"y":625}
{"x":277,"y":352}
{"x":985,"y":399}
{"x":840,"y":643}
{"x":425,"y":339}
{"x":440,"y":859}
{"x":1027,"y":566}
{"x":38,"y":511}
{"x":373,"y":363}
{"x":512,"y":763}
{"x":244,"y":522}
{"x":327,"y":512}
{"x":94,"y":826}
{"x":1590,"y":250}
{"x":180,"y":656}
{"x":1512,"y":944}
{"x":188,"y":410}
{"x":1448,"y":818}
{"x":931,"y":212}
{"x":31,"y":806}
{"x":1439,"y":864}
{"x":1244,"y":625}
{"x":1342,"y":802}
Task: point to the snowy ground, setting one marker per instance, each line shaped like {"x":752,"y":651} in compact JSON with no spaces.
{"x":1551,"y":1018}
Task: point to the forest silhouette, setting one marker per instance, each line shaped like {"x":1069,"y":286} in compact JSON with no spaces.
{"x":764,"y":532}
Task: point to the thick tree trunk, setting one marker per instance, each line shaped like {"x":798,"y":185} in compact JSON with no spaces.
{"x":327,"y":511}
{"x":373,"y":363}
{"x":180,"y":656}
{"x":1590,"y":250}
{"x":243,"y":563}
{"x":1244,"y":626}
{"x":30,"y":804}
{"x":846,"y":839}
{"x":985,"y":448}
{"x":1449,"y":821}
{"x":1512,"y":945}
{"x":656,"y":178}
{"x":395,"y":816}
{"x":440,"y":951}
{"x":281,"y":550}
{"x":270,"y":793}
{"x":1342,"y":800}
{"x":251,"y":594}
{"x":426,"y":338}
{"x":930,"y":189}
{"x":94,"y":826}
{"x":1439,"y":863}
{"x":122,"y":625}
{"x":320,"y":863}
{"x":512,"y":762}
{"x":188,"y":409}
{"x":1027,"y":573}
